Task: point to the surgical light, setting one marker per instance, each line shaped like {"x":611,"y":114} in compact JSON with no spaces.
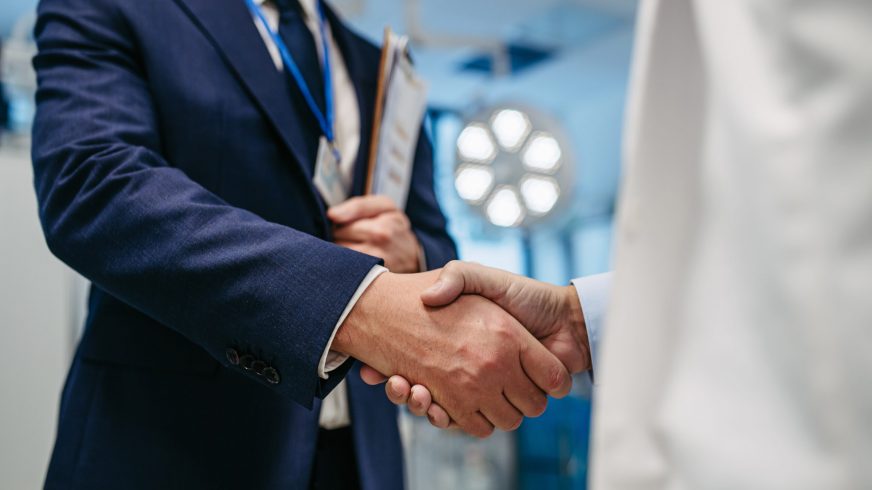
{"x":473,"y":182}
{"x":475,"y":144}
{"x":540,"y":193}
{"x":542,"y":153}
{"x":504,"y":209}
{"x":510,"y":127}
{"x":513,"y":166}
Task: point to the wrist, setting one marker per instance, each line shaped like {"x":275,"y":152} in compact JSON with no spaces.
{"x":383,"y":327}
{"x":574,"y":315}
{"x":357,"y":330}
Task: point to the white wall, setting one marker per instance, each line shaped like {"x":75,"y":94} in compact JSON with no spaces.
{"x":37,"y":314}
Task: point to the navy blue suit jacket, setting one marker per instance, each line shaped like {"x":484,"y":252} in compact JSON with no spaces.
{"x":173,"y":167}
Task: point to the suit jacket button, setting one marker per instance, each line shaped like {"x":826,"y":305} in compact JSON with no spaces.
{"x":245,"y":362}
{"x":258,"y":366}
{"x":271,"y":375}
{"x":232,"y":356}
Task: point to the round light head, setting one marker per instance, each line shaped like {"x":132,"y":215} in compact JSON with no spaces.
{"x":510,"y":127}
{"x":514,"y":167}
{"x":542,"y":153}
{"x":540,"y":193}
{"x":504,"y":208}
{"x":473,"y":182}
{"x":475,"y":144}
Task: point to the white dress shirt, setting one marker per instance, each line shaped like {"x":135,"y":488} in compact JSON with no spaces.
{"x":594,"y":293}
{"x":334,"y":409}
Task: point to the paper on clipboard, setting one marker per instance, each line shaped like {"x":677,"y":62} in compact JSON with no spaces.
{"x":396,"y":130}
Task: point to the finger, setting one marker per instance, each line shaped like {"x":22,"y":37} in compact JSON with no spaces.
{"x":370,"y":376}
{"x":360,"y":207}
{"x":475,"y":424}
{"x":438,"y":417}
{"x":398,"y":390}
{"x":420,"y":401}
{"x":527,"y":398}
{"x":502,"y":414}
{"x":458,"y":277}
{"x":545,"y":370}
{"x":364,"y":230}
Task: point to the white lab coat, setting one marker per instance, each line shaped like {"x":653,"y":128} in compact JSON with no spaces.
{"x":738,"y":346}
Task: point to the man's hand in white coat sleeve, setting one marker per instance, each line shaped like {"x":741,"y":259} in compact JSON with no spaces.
{"x":553,"y":314}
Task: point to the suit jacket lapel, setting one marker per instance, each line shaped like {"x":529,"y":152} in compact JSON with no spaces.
{"x":229,"y":25}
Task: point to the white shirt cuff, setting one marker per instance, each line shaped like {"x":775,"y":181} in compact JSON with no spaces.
{"x":331,"y":360}
{"x":594,"y":293}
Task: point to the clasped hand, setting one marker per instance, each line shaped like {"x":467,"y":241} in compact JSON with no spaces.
{"x":375,"y":226}
{"x":457,"y":347}
{"x":552,"y":314}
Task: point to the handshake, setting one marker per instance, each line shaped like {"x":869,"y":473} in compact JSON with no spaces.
{"x":469,"y":346}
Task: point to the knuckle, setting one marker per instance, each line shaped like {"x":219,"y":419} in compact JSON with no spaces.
{"x":503,"y":330}
{"x":402,"y":221}
{"x":465,"y":379}
{"x":381,"y":236}
{"x":487,"y":364}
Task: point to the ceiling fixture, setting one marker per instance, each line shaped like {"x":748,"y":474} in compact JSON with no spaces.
{"x":513,"y":166}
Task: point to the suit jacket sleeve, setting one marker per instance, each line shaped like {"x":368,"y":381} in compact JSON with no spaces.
{"x":428,"y":221}
{"x":116,"y":211}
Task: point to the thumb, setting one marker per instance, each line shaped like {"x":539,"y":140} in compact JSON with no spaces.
{"x":458,"y":278}
{"x":447,"y":288}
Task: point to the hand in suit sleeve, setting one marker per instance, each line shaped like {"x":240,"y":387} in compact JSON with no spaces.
{"x":410,"y":240}
{"x":114,"y":209}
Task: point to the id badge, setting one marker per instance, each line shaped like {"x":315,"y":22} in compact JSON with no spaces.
{"x":328,"y":179}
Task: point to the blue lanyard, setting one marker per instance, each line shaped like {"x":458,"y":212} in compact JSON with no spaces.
{"x":324,"y":120}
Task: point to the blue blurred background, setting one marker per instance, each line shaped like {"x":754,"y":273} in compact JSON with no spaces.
{"x":562,"y":63}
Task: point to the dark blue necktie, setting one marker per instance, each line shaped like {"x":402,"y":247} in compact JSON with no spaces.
{"x":301,"y":44}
